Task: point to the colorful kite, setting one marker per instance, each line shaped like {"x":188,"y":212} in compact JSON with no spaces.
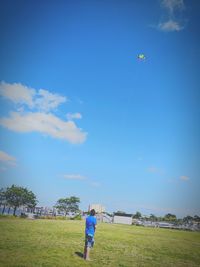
{"x":141,"y":57}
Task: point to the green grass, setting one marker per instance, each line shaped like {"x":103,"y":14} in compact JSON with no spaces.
{"x":28,"y":243}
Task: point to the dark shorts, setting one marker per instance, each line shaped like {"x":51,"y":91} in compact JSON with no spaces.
{"x":89,"y":241}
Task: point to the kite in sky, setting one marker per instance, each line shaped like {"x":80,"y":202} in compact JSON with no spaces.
{"x":141,"y":57}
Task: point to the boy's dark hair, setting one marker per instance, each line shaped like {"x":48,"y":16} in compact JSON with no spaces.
{"x":92,"y":212}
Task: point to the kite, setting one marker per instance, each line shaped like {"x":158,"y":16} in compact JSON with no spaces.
{"x":141,"y":57}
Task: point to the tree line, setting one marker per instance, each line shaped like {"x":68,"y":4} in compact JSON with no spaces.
{"x":167,"y":217}
{"x":17,"y":196}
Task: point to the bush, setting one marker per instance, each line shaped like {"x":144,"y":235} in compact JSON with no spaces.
{"x":23,"y":215}
{"x":61,"y":218}
{"x":4,"y":216}
{"x":49,"y":217}
{"x":36,"y":216}
{"x":77,"y":217}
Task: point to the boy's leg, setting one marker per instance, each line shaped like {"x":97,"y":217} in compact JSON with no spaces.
{"x":87,"y":247}
{"x":85,"y":252}
{"x":87,"y":255}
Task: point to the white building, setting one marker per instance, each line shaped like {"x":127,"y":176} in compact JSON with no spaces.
{"x":123,"y":219}
{"x":97,"y":207}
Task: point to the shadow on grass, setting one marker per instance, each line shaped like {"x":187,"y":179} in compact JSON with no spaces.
{"x":80,"y":254}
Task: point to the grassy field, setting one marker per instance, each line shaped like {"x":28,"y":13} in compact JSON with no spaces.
{"x":25,"y":243}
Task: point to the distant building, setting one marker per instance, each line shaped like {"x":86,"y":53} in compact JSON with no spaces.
{"x":97,"y":207}
{"x":107,"y":218}
{"x":122,"y":218}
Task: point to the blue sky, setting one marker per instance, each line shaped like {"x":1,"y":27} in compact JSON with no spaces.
{"x":81,"y":115}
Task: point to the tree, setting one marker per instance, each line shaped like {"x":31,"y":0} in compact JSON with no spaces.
{"x":30,"y":200}
{"x":196,"y":218}
{"x":120,"y":212}
{"x":188,"y":218}
{"x":153,"y":218}
{"x":137,"y":215}
{"x":19,"y":196}
{"x":3,"y":199}
{"x":170,"y":217}
{"x":68,"y":205}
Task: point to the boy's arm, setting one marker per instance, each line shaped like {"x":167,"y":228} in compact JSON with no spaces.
{"x":95,"y":224}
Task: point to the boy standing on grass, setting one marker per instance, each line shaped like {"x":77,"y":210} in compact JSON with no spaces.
{"x":90,"y":227}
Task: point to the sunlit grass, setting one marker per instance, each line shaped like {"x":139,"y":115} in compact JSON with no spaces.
{"x":38,"y":243}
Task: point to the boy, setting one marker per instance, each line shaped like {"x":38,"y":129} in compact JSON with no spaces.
{"x":90,"y":227}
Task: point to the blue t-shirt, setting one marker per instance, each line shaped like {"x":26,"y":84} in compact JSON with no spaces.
{"x":90,"y":223}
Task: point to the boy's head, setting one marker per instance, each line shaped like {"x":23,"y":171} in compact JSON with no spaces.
{"x":92,"y":212}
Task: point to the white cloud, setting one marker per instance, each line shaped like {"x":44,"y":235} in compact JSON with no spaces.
{"x":172,"y":5}
{"x":74,"y":177}
{"x":33,"y":113}
{"x":184,"y":178}
{"x":71,"y":116}
{"x":21,"y":94}
{"x":170,"y":26}
{"x":5,"y":158}
{"x":153,"y":169}
{"x":173,"y":8}
{"x":17,"y":93}
{"x":44,"y":123}
{"x":46,"y":101}
{"x":95,"y":184}
{"x":80,"y":177}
